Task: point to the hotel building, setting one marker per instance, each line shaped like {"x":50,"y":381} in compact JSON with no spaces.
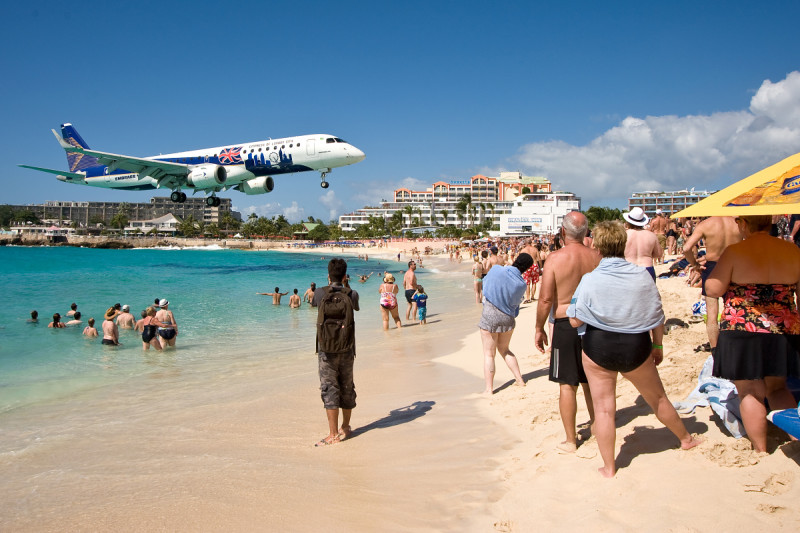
{"x":491,"y":197}
{"x":668,"y":202}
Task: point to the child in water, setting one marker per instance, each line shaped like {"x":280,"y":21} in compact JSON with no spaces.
{"x":421,"y":300}
{"x":90,"y":330}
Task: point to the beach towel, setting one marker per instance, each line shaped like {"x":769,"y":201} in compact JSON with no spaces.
{"x":718,"y":393}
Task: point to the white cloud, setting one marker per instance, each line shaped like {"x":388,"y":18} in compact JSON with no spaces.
{"x":672,"y":152}
{"x":294,"y":213}
{"x":333,"y":204}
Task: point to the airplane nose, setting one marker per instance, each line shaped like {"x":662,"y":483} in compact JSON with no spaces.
{"x":355,"y":153}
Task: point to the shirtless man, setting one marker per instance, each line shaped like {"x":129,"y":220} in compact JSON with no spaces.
{"x":659,"y":226}
{"x":565,"y":268}
{"x":493,"y":259}
{"x":125,"y":320}
{"x":410,"y":286}
{"x":276,"y":296}
{"x":718,"y":233}
{"x":294,"y":300}
{"x":642,"y":248}
{"x":308,"y":296}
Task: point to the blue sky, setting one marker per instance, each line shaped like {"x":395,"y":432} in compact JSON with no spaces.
{"x":602,"y":98}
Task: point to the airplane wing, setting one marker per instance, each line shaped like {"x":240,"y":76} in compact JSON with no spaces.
{"x":167,"y":174}
{"x":74,"y":175}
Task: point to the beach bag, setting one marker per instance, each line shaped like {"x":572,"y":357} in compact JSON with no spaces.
{"x":335,"y":323}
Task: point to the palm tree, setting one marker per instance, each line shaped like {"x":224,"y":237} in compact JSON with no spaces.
{"x":445,"y":213}
{"x":409,"y":210}
{"x":252,"y":217}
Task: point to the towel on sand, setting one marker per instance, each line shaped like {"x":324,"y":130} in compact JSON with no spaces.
{"x":720,"y":394}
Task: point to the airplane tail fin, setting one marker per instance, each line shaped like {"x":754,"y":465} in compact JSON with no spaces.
{"x":77,"y":161}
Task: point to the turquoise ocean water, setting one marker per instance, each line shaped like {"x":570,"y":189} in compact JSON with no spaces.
{"x":211,"y":291}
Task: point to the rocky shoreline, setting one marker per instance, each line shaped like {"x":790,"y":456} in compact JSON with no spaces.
{"x":122,"y":242}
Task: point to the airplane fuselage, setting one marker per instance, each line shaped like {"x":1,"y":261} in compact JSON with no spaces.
{"x":242,"y":163}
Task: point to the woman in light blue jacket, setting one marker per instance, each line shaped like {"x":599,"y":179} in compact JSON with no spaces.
{"x":503,"y":290}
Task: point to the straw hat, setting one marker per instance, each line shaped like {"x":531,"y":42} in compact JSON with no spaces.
{"x":111,"y":313}
{"x":636,"y":217}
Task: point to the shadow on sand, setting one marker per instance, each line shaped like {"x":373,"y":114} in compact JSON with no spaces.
{"x":396,"y":417}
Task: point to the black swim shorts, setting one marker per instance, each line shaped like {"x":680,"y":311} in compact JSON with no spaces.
{"x":410,"y":295}
{"x":618,"y":352}
{"x":566,"y":366}
{"x":709,"y":267}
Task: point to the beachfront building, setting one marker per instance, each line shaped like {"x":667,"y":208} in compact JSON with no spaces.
{"x":166,"y":224}
{"x":438,"y":205}
{"x":537,"y":213}
{"x":87,"y":214}
{"x":668,"y":202}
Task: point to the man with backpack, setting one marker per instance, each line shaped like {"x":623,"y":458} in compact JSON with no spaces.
{"x":336,"y":350}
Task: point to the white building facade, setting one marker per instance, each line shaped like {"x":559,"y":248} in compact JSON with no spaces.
{"x":537,"y":214}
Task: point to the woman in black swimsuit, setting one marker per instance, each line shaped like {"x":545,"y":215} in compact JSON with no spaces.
{"x":150,"y":330}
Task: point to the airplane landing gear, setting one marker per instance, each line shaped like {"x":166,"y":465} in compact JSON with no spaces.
{"x":213,"y":201}
{"x":178,"y":197}
{"x":324,"y":184}
{"x":323,"y":173}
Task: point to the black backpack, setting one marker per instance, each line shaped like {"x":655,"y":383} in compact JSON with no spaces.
{"x":336,"y":332}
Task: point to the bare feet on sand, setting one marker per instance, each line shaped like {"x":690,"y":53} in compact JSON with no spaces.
{"x":328,"y":441}
{"x":345,"y":432}
{"x":690,"y":443}
{"x":566,"y":447}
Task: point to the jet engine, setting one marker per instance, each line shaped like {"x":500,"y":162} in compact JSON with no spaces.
{"x":206,"y":176}
{"x":259,"y":185}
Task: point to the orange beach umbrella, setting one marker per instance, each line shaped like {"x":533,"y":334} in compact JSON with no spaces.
{"x":772,"y":191}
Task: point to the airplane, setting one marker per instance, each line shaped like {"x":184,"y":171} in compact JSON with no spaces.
{"x":245,"y":167}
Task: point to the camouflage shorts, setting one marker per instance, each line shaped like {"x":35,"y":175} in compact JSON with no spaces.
{"x":336,"y":380}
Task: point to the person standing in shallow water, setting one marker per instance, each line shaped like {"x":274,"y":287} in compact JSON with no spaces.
{"x":503,"y":290}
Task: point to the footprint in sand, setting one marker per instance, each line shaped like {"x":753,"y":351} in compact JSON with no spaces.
{"x":737,"y":454}
{"x":774,"y":485}
{"x":505,"y":526}
{"x":770,"y":509}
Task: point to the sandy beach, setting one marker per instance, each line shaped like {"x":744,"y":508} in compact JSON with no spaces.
{"x":235,"y":452}
{"x":722,"y":484}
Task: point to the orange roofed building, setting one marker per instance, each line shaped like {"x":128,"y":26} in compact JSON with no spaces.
{"x":436,"y":205}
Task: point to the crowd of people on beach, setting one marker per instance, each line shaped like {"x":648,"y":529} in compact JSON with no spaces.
{"x":599,"y":311}
{"x":157,"y":326}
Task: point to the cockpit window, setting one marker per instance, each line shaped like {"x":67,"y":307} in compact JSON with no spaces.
{"x":330,"y":140}
{"x":338,"y":140}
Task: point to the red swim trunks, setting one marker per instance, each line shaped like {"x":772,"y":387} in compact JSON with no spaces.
{"x":532,"y":274}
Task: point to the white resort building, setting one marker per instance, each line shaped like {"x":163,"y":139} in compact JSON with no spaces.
{"x":538,"y":213}
{"x":491,"y":198}
{"x":668,"y":202}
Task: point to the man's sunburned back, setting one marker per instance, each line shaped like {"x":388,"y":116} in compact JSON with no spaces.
{"x":410,"y":280}
{"x":568,"y":265}
{"x":642,"y":247}
{"x":659,"y":225}
{"x":717,"y":233}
